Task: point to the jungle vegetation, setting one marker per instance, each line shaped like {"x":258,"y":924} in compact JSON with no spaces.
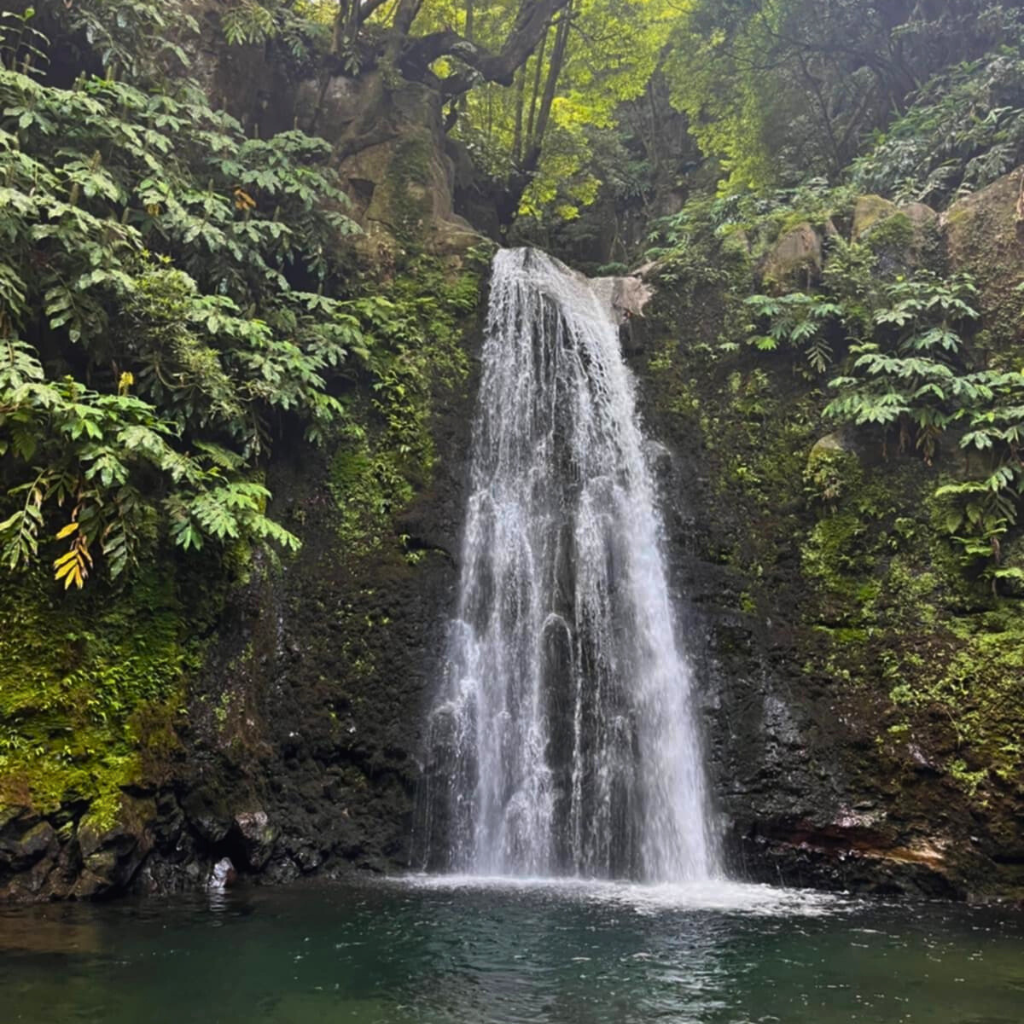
{"x":176,"y":292}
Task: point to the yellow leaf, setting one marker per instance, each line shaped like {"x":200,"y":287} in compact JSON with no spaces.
{"x":65,"y":570}
{"x":68,"y":556}
{"x":67,"y":531}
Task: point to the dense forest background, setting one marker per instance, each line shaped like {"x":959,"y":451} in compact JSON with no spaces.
{"x":178,"y":285}
{"x":243,"y":234}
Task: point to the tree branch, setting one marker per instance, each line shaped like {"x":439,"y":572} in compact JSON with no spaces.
{"x":530,"y":26}
{"x":367,"y":7}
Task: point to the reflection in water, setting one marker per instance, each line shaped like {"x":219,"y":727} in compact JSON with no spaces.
{"x":460,"y":951}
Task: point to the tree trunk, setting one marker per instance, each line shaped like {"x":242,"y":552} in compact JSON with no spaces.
{"x":416,"y":55}
{"x":535,"y":95}
{"x":557,"y":59}
{"x":517,"y":138}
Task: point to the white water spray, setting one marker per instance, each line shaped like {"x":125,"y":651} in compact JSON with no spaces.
{"x":564,"y":741}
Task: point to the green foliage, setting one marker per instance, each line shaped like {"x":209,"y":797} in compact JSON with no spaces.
{"x":247,"y":21}
{"x":22,"y":46}
{"x":908,"y":373}
{"x":752,"y":221}
{"x":782,"y":89}
{"x":964,"y":130}
{"x":133,"y":38}
{"x":388,"y":451}
{"x":612,"y":50}
{"x":303,"y":28}
{"x":797,"y":320}
{"x":914,"y":375}
{"x":164,"y":284}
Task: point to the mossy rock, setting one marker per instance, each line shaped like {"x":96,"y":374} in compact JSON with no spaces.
{"x":77,"y":670}
{"x":796,"y":259}
{"x":402,"y":186}
{"x":869,"y":211}
{"x":902,"y":237}
{"x":985,"y":236}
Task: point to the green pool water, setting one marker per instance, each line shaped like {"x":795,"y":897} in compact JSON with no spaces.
{"x":474,"y":951}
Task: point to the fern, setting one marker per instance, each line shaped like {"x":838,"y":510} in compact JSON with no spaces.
{"x":248,"y":22}
{"x":799,"y":321}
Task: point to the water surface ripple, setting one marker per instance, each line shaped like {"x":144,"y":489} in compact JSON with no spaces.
{"x":472,"y":951}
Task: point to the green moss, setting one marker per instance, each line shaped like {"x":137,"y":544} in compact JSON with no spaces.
{"x":911,"y":592}
{"x":408,"y":185}
{"x":831,"y":474}
{"x":387,"y":454}
{"x":87,"y":685}
{"x":974,"y":679}
{"x":893,"y":234}
{"x":869,"y":211}
{"x":369,"y":488}
{"x":845,"y":634}
{"x":834,"y":552}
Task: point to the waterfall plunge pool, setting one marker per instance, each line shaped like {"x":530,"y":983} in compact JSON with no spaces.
{"x":458,"y":950}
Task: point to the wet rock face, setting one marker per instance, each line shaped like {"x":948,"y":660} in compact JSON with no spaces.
{"x":41,"y":858}
{"x":785,"y":753}
{"x":325,"y":669}
{"x":28,"y":852}
{"x":813,"y":624}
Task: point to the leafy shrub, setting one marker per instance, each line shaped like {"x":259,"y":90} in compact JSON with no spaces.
{"x":165,"y":288}
{"x":964,"y":130}
{"x":798,"y":320}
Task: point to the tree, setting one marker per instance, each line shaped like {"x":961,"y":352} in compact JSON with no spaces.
{"x":782,"y":89}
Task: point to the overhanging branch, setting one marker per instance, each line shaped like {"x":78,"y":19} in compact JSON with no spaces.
{"x":531,"y":23}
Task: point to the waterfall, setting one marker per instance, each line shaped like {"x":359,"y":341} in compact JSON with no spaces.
{"x":563,"y":740}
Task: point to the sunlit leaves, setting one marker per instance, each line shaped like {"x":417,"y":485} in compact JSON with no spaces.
{"x":73,"y":566}
{"x":613,"y":48}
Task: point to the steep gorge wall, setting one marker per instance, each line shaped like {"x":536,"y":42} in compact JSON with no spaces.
{"x":864,"y":698}
{"x":287,"y":731}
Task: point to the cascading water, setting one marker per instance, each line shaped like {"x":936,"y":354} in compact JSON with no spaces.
{"x":563,"y":741}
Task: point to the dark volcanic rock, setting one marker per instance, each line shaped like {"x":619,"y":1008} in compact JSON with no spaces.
{"x":306,"y":725}
{"x":804,"y":568}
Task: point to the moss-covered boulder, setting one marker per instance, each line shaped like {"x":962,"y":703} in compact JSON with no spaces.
{"x":985,"y":236}
{"x":867,"y":212}
{"x":901,"y":236}
{"x":871,"y":211}
{"x":795,"y":260}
